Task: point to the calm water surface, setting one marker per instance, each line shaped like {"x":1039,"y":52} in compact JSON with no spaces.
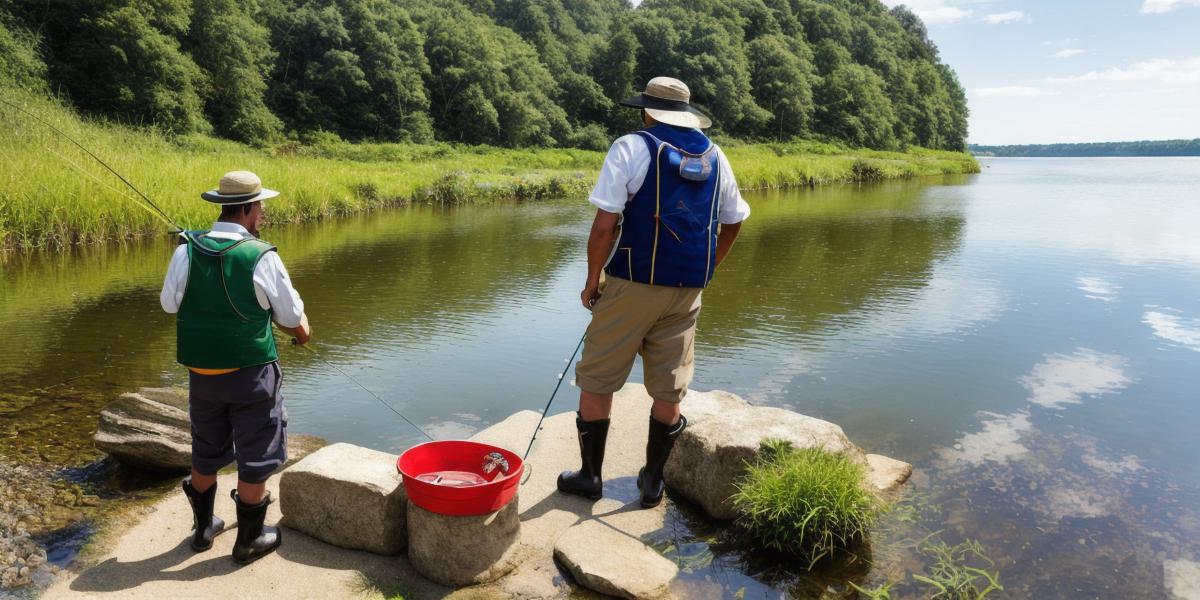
{"x":1029,"y":338}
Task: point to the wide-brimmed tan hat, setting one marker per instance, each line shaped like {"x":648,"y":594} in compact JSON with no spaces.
{"x":668,"y":100}
{"x":239,"y":187}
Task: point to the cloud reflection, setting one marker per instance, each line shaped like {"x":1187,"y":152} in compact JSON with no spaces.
{"x":1063,"y":379}
{"x":1174,"y":328}
{"x":999,"y":440}
{"x":1098,"y":288}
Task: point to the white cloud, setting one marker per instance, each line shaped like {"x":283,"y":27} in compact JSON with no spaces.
{"x":935,"y":12}
{"x":1000,"y":440}
{"x":1163,"y":71}
{"x":1069,"y":52}
{"x":1163,"y":6}
{"x":1174,"y":329}
{"x":1063,"y":43}
{"x":1065,"y":379}
{"x":1013,"y":91}
{"x":1011,"y":16}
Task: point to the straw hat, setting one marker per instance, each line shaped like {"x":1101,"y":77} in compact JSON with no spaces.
{"x":667,"y":100}
{"x":239,"y":187}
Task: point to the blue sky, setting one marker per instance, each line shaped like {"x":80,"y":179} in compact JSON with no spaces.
{"x":1074,"y":70}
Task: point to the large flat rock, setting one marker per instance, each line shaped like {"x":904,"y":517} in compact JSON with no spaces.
{"x":148,"y":429}
{"x":608,"y":561}
{"x":348,"y":496}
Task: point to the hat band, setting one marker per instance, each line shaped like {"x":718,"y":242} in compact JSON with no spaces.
{"x":238,"y":196}
{"x":655,"y":102}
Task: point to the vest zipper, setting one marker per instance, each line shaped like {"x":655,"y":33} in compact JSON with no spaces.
{"x":657,"y":207}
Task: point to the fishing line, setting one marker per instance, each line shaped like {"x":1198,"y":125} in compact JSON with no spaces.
{"x":97,"y":159}
{"x":364,"y":388}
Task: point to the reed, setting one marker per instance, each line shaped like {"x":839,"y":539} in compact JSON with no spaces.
{"x":807,"y":502}
{"x":53,"y":195}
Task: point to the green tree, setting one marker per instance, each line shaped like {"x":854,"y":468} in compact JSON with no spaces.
{"x":20,"y":62}
{"x":233,"y":49}
{"x":781,"y":81}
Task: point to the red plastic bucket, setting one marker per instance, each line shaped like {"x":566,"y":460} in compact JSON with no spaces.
{"x":473,"y":494}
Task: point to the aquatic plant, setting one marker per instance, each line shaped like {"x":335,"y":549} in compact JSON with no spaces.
{"x":808,"y":502}
{"x":959,"y":572}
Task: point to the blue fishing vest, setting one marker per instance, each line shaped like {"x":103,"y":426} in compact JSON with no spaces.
{"x":669,"y":227}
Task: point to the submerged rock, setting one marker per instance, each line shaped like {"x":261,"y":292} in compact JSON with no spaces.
{"x":460,"y":551}
{"x":148,"y":429}
{"x":348,"y":496}
{"x":606,"y":560}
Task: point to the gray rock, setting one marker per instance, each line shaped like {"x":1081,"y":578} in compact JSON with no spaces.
{"x":460,"y":551}
{"x":606,"y":560}
{"x":348,"y":496}
{"x":147,"y":429}
{"x":887,"y":474}
{"x":713,"y":451}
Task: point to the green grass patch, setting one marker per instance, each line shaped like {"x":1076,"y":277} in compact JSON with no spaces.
{"x":52,"y":194}
{"x":806,"y":502}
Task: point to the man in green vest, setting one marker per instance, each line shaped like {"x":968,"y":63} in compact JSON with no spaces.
{"x":227,"y":287}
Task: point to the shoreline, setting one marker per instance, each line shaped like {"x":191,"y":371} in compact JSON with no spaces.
{"x":79,"y":203}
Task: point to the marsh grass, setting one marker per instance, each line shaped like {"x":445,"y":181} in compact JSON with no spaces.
{"x":53,"y":195}
{"x":959,"y":572}
{"x":806,"y":502}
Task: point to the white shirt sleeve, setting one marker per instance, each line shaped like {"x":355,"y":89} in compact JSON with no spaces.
{"x":622,"y":175}
{"x":175,"y":283}
{"x":274,"y":290}
{"x":734,"y":208}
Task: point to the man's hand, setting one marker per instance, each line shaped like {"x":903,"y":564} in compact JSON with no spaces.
{"x":301,"y":334}
{"x":590,"y":294}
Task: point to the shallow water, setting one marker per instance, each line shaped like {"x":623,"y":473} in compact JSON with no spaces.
{"x":1028,"y":337}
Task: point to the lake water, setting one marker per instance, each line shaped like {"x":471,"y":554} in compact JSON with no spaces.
{"x":1029,"y":338}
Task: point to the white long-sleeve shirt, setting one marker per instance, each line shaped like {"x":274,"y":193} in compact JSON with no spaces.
{"x":272,"y":286}
{"x":625,"y":169}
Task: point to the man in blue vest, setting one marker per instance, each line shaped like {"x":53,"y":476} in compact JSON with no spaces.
{"x":668,"y":211}
{"x":227,"y":287}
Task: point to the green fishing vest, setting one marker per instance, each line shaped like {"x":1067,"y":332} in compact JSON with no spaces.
{"x":220,"y":324}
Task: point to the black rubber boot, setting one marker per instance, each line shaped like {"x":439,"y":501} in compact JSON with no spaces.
{"x":205,"y":525}
{"x":254,"y":540}
{"x":587,"y":481}
{"x":658,"y":448}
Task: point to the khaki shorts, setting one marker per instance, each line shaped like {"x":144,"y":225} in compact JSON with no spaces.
{"x":632,"y":318}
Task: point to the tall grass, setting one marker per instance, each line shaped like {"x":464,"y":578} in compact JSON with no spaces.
{"x":52,"y":194}
{"x":808,"y":502}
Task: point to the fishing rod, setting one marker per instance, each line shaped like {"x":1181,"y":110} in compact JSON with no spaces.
{"x":557,"y":385}
{"x":149,"y":202}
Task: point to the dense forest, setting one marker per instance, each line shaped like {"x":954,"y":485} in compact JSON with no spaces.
{"x":1144,"y":148}
{"x":503,"y":72}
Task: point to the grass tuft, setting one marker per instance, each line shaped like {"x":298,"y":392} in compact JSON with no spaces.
{"x":807,"y":502}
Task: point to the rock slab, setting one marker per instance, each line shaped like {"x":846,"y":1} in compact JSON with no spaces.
{"x":887,"y":474}
{"x":606,"y":560}
{"x":348,"y":496}
{"x":148,"y":429}
{"x":460,"y":551}
{"x":713,"y":451}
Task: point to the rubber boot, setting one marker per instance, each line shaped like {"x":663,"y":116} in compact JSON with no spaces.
{"x":254,"y":540}
{"x":587,"y":481}
{"x":205,"y":525}
{"x":658,"y":448}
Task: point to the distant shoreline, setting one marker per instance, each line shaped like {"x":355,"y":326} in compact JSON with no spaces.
{"x":1149,"y":148}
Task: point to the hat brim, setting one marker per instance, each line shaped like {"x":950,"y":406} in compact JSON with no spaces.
{"x":235,"y":199}
{"x":671,"y":112}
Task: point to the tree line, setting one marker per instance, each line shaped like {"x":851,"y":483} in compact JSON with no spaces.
{"x":503,"y":72}
{"x":1142,"y":148}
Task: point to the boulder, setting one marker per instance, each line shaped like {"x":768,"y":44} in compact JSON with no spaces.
{"x":460,"y":551}
{"x":887,"y":474}
{"x":713,"y":451}
{"x":606,"y":560}
{"x":348,"y":496}
{"x":148,"y":429}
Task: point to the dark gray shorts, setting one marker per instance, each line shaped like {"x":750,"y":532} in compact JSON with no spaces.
{"x":239,"y":415}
